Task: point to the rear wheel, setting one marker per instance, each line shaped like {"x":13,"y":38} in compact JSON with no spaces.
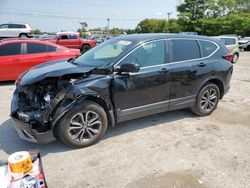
{"x":207,"y":100}
{"x":23,"y":36}
{"x":85,"y":48}
{"x":235,"y":58}
{"x":83,"y":126}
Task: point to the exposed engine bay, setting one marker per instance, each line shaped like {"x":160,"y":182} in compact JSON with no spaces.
{"x":37,"y":102}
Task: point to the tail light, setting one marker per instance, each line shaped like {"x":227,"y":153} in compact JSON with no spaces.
{"x":228,"y":57}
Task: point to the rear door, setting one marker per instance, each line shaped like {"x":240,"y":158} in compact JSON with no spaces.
{"x":146,"y":92}
{"x":10,"y":61}
{"x":36,"y":53}
{"x":190,"y":69}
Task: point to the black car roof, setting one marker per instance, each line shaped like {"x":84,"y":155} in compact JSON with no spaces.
{"x":154,"y":36}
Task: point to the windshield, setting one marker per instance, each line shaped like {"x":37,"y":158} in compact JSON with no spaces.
{"x":104,"y":54}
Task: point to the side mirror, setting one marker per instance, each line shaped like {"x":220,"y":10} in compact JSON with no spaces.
{"x":128,"y":67}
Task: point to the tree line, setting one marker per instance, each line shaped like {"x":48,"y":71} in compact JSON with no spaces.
{"x":206,"y":17}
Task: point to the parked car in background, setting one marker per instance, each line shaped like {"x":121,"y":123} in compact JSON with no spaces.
{"x":18,"y":55}
{"x":73,"y":40}
{"x":232,"y":45}
{"x":244,"y":44}
{"x":22,"y":30}
{"x":124,"y":78}
{"x":189,"y":33}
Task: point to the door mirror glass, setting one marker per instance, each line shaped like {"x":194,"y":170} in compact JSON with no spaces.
{"x":128,"y":67}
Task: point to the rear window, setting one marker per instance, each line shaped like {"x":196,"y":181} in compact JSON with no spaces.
{"x":39,"y":48}
{"x":184,"y":49}
{"x":207,"y":48}
{"x":10,"y":49}
{"x":228,"y":41}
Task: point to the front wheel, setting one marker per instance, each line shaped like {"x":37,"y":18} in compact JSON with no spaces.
{"x":83,"y":126}
{"x":207,"y":100}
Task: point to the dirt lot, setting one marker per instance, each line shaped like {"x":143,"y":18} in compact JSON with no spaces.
{"x":174,"y":149}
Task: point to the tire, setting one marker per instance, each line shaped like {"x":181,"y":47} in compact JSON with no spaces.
{"x":23,"y":36}
{"x":235,"y":58}
{"x":207,"y":100}
{"x":85,"y":48}
{"x":74,"y":131}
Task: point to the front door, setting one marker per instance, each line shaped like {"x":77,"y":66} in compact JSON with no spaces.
{"x":146,"y":92}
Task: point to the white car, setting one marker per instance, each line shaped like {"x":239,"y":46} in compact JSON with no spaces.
{"x":15,"y":30}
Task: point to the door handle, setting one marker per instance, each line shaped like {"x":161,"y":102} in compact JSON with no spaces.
{"x":163,"y":70}
{"x":16,"y":60}
{"x":47,"y":56}
{"x":202,"y":64}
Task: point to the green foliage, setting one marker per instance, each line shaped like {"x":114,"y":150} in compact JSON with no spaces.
{"x":37,"y":31}
{"x":207,"y":17}
{"x":152,"y":26}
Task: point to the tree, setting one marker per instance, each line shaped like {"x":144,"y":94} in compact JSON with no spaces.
{"x":152,"y":26}
{"x":37,"y":31}
{"x":83,"y":29}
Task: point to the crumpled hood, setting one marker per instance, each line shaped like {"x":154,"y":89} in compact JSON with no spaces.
{"x":50,"y":70}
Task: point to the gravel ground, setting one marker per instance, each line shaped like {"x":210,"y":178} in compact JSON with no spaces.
{"x":173,"y":149}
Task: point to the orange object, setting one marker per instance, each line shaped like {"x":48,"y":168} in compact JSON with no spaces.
{"x":20,"y":163}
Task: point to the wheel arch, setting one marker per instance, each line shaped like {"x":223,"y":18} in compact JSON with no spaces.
{"x":215,"y":81}
{"x":62,"y":110}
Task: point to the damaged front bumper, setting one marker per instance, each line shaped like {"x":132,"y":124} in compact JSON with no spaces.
{"x":25,"y":130}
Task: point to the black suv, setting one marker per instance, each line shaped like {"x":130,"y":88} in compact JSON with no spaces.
{"x":121,"y":79}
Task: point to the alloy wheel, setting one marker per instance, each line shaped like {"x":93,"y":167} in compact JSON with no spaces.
{"x":84,"y":126}
{"x":209,"y":100}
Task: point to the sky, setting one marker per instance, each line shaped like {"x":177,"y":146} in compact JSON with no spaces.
{"x":58,"y":15}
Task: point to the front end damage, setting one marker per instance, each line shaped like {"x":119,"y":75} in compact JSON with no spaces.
{"x":33,"y":107}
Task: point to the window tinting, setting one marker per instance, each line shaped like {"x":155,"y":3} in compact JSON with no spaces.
{"x":184,"y":49}
{"x":64,"y":37}
{"x":207,"y":48}
{"x":39,"y":48}
{"x":10,"y":49}
{"x":228,"y":41}
{"x":16,"y":26}
{"x":72,"y":37}
{"x":148,"y":55}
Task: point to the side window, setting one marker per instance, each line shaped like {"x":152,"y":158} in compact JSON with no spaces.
{"x":10,"y":49}
{"x":36,"y":48}
{"x":64,"y":37}
{"x":183,"y":49}
{"x":52,"y":48}
{"x":148,"y":55}
{"x":207,"y":48}
{"x":72,"y":37}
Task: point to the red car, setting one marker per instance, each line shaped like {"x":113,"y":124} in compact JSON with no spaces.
{"x":73,"y":40}
{"x":18,"y":55}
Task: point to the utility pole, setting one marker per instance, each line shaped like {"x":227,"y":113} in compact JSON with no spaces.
{"x":169,"y":23}
{"x":108,"y":24}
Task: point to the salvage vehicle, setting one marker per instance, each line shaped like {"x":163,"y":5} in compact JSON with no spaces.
{"x":18,"y":55}
{"x":232,"y":45}
{"x":244,"y":44}
{"x":124,"y":78}
{"x":73,"y":40}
